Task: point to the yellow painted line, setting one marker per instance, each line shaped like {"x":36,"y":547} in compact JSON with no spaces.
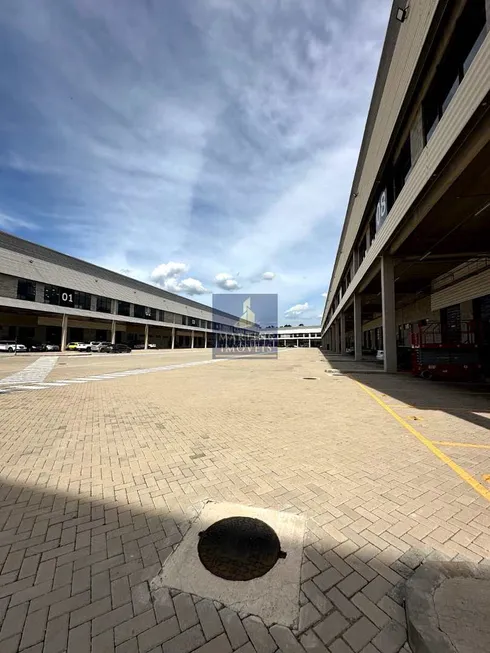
{"x":437,"y":452}
{"x":461,"y":444}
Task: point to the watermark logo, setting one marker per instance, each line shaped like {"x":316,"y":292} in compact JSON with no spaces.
{"x":241,"y":324}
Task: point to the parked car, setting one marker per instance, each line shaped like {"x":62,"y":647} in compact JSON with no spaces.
{"x":72,"y":346}
{"x":152,"y":345}
{"x":380,"y":355}
{"x":97,"y":346}
{"x":36,"y":346}
{"x":50,"y":347}
{"x":350,"y":351}
{"x":116,"y":349}
{"x":138,"y":345}
{"x":10,"y":346}
{"x":84,"y":346}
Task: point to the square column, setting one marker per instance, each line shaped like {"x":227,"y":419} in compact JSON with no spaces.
{"x":173,"y":337}
{"x":205,"y":339}
{"x":113,"y":332}
{"x":192,"y":339}
{"x":146,"y":336}
{"x":357,"y":327}
{"x":342,"y":333}
{"x":64,"y":332}
{"x":388,"y":308}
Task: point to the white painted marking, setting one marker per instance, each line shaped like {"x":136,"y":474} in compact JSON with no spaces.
{"x":112,"y":375}
{"x":33,"y":373}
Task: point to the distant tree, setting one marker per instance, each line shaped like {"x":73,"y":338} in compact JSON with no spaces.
{"x":286,"y":325}
{"x":300,"y":324}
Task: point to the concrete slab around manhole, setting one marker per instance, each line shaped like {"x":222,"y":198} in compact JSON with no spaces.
{"x":447,"y":607}
{"x":273,"y":597}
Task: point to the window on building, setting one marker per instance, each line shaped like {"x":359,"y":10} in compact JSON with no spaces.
{"x":82,"y":300}
{"x":51,"y":295}
{"x":462,"y":48}
{"x":26,"y":290}
{"x":104,"y":305}
{"x":402,"y":168}
{"x":123,"y":308}
{"x":145,"y":312}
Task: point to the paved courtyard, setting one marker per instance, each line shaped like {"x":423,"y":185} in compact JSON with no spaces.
{"x":106,"y":461}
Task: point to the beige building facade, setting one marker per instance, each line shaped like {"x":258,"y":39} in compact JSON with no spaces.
{"x":413,"y":263}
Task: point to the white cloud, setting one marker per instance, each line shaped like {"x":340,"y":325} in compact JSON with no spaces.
{"x":226,"y":281}
{"x":168,"y":271}
{"x":297,"y":309}
{"x":192,"y":286}
{"x":268,"y":276}
{"x":167,"y":276}
{"x":325,"y":294}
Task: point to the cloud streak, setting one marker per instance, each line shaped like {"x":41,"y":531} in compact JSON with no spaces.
{"x":217,"y":134}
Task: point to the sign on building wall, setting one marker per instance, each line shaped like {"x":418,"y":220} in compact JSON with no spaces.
{"x":67,"y":297}
{"x":381,"y":210}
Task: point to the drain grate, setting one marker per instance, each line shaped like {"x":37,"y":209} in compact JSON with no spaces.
{"x":239,"y":548}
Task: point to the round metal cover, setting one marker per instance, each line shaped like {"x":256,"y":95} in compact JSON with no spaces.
{"x":239,"y":548}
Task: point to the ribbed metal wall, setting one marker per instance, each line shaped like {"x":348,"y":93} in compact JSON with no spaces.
{"x":471,"y":288}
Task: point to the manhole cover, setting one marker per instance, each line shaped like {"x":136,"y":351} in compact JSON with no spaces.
{"x":239,"y":548}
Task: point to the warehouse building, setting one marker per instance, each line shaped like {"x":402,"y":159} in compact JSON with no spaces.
{"x":294,"y":336}
{"x":49,"y":297}
{"x":413,"y":263}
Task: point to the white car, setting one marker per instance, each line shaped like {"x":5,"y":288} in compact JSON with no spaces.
{"x":97,"y":346}
{"x":10,"y":346}
{"x":380,"y":355}
{"x":84,"y":346}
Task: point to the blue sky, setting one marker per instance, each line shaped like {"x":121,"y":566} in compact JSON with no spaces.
{"x":200,"y":145}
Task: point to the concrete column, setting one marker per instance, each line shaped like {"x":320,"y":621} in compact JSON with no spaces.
{"x":192,"y":339}
{"x":358,"y":327}
{"x":113,"y":331}
{"x":205,"y":340}
{"x":389,"y":321}
{"x":146,"y":336}
{"x":309,"y":341}
{"x":173,"y":337}
{"x":342,"y":333}
{"x":64,"y":331}
{"x":368,"y":240}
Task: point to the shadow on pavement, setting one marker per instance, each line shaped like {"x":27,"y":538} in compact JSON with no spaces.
{"x":461,"y":400}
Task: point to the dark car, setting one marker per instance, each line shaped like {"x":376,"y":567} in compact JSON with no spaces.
{"x":36,"y":346}
{"x":116,"y":349}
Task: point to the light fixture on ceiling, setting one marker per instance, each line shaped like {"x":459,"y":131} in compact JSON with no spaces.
{"x":401,"y":14}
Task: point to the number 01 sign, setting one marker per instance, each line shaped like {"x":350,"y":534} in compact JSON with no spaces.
{"x":66,"y":297}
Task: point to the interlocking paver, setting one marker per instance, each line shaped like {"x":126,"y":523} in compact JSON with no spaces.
{"x":317,"y":597}
{"x":308,"y":615}
{"x":233,"y":627}
{"x":160,"y":633}
{"x":209,"y":619}
{"x":343,"y":604}
{"x":86,"y":524}
{"x":259,"y":635}
{"x":360,"y":634}
{"x":311,"y":643}
{"x":135,"y":626}
{"x":185,"y":642}
{"x":14,"y":621}
{"x":331,"y":627}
